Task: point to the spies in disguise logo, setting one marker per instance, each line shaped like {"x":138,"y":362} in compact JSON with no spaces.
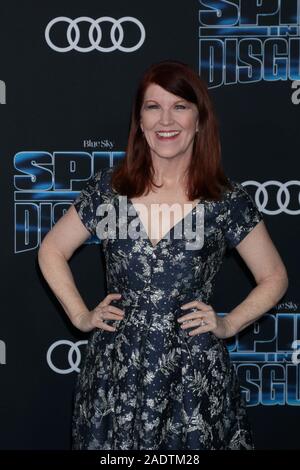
{"x":45,"y":186}
{"x":266,"y":357}
{"x":246,"y":41}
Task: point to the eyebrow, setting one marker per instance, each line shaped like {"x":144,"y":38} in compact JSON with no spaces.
{"x":178,"y":101}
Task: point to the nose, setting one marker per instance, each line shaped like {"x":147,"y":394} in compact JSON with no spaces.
{"x":166,"y":117}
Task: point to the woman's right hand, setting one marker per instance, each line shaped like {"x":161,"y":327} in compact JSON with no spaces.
{"x":103,"y":311}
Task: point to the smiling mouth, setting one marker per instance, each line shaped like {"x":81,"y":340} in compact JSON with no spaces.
{"x":167,"y":135}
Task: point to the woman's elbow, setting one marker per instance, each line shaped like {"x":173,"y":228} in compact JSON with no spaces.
{"x":42,"y":253}
{"x":281,"y":281}
{"x":277,"y":283}
{"x":45,"y":250}
{"x":285,"y":283}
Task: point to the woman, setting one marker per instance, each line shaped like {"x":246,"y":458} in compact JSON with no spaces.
{"x":157,"y":374}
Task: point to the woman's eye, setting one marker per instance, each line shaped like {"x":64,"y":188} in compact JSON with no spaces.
{"x":156,"y":106}
{"x":151,"y":106}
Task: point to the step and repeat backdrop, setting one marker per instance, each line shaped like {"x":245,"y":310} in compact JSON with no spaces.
{"x":68,"y":73}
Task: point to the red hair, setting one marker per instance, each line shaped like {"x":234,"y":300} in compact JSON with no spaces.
{"x":206,"y":179}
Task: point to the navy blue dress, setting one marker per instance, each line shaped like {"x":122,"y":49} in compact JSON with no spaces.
{"x":149,"y":384}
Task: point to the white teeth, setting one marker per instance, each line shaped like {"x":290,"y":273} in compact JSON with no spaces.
{"x":168,"y":134}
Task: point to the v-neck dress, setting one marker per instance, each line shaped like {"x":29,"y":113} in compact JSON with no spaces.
{"x":149,"y":384}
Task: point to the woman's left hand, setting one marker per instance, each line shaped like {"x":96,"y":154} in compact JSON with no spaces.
{"x":205,"y":319}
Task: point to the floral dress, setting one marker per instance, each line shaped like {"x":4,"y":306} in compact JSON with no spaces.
{"x":149,"y":384}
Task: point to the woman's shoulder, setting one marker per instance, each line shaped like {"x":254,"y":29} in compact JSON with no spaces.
{"x":235,"y":196}
{"x":239,"y":199}
{"x":236,"y":190}
{"x":101,"y":178}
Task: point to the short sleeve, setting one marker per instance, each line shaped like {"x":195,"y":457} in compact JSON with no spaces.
{"x":87,"y":202}
{"x":242,"y":215}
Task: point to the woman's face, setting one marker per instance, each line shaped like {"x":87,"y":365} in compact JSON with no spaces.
{"x":169,"y":123}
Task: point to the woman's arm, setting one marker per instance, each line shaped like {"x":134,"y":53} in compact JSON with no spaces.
{"x":262,"y":258}
{"x":56,"y":249}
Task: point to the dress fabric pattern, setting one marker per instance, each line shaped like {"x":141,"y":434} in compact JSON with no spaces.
{"x":149,"y":384}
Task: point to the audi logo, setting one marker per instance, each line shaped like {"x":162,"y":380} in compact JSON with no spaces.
{"x":73,"y":350}
{"x":95,"y":34}
{"x":282,"y":198}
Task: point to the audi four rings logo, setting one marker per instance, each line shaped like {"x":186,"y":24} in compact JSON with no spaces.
{"x":74,"y":352}
{"x":282,"y":199}
{"x":94,"y":34}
